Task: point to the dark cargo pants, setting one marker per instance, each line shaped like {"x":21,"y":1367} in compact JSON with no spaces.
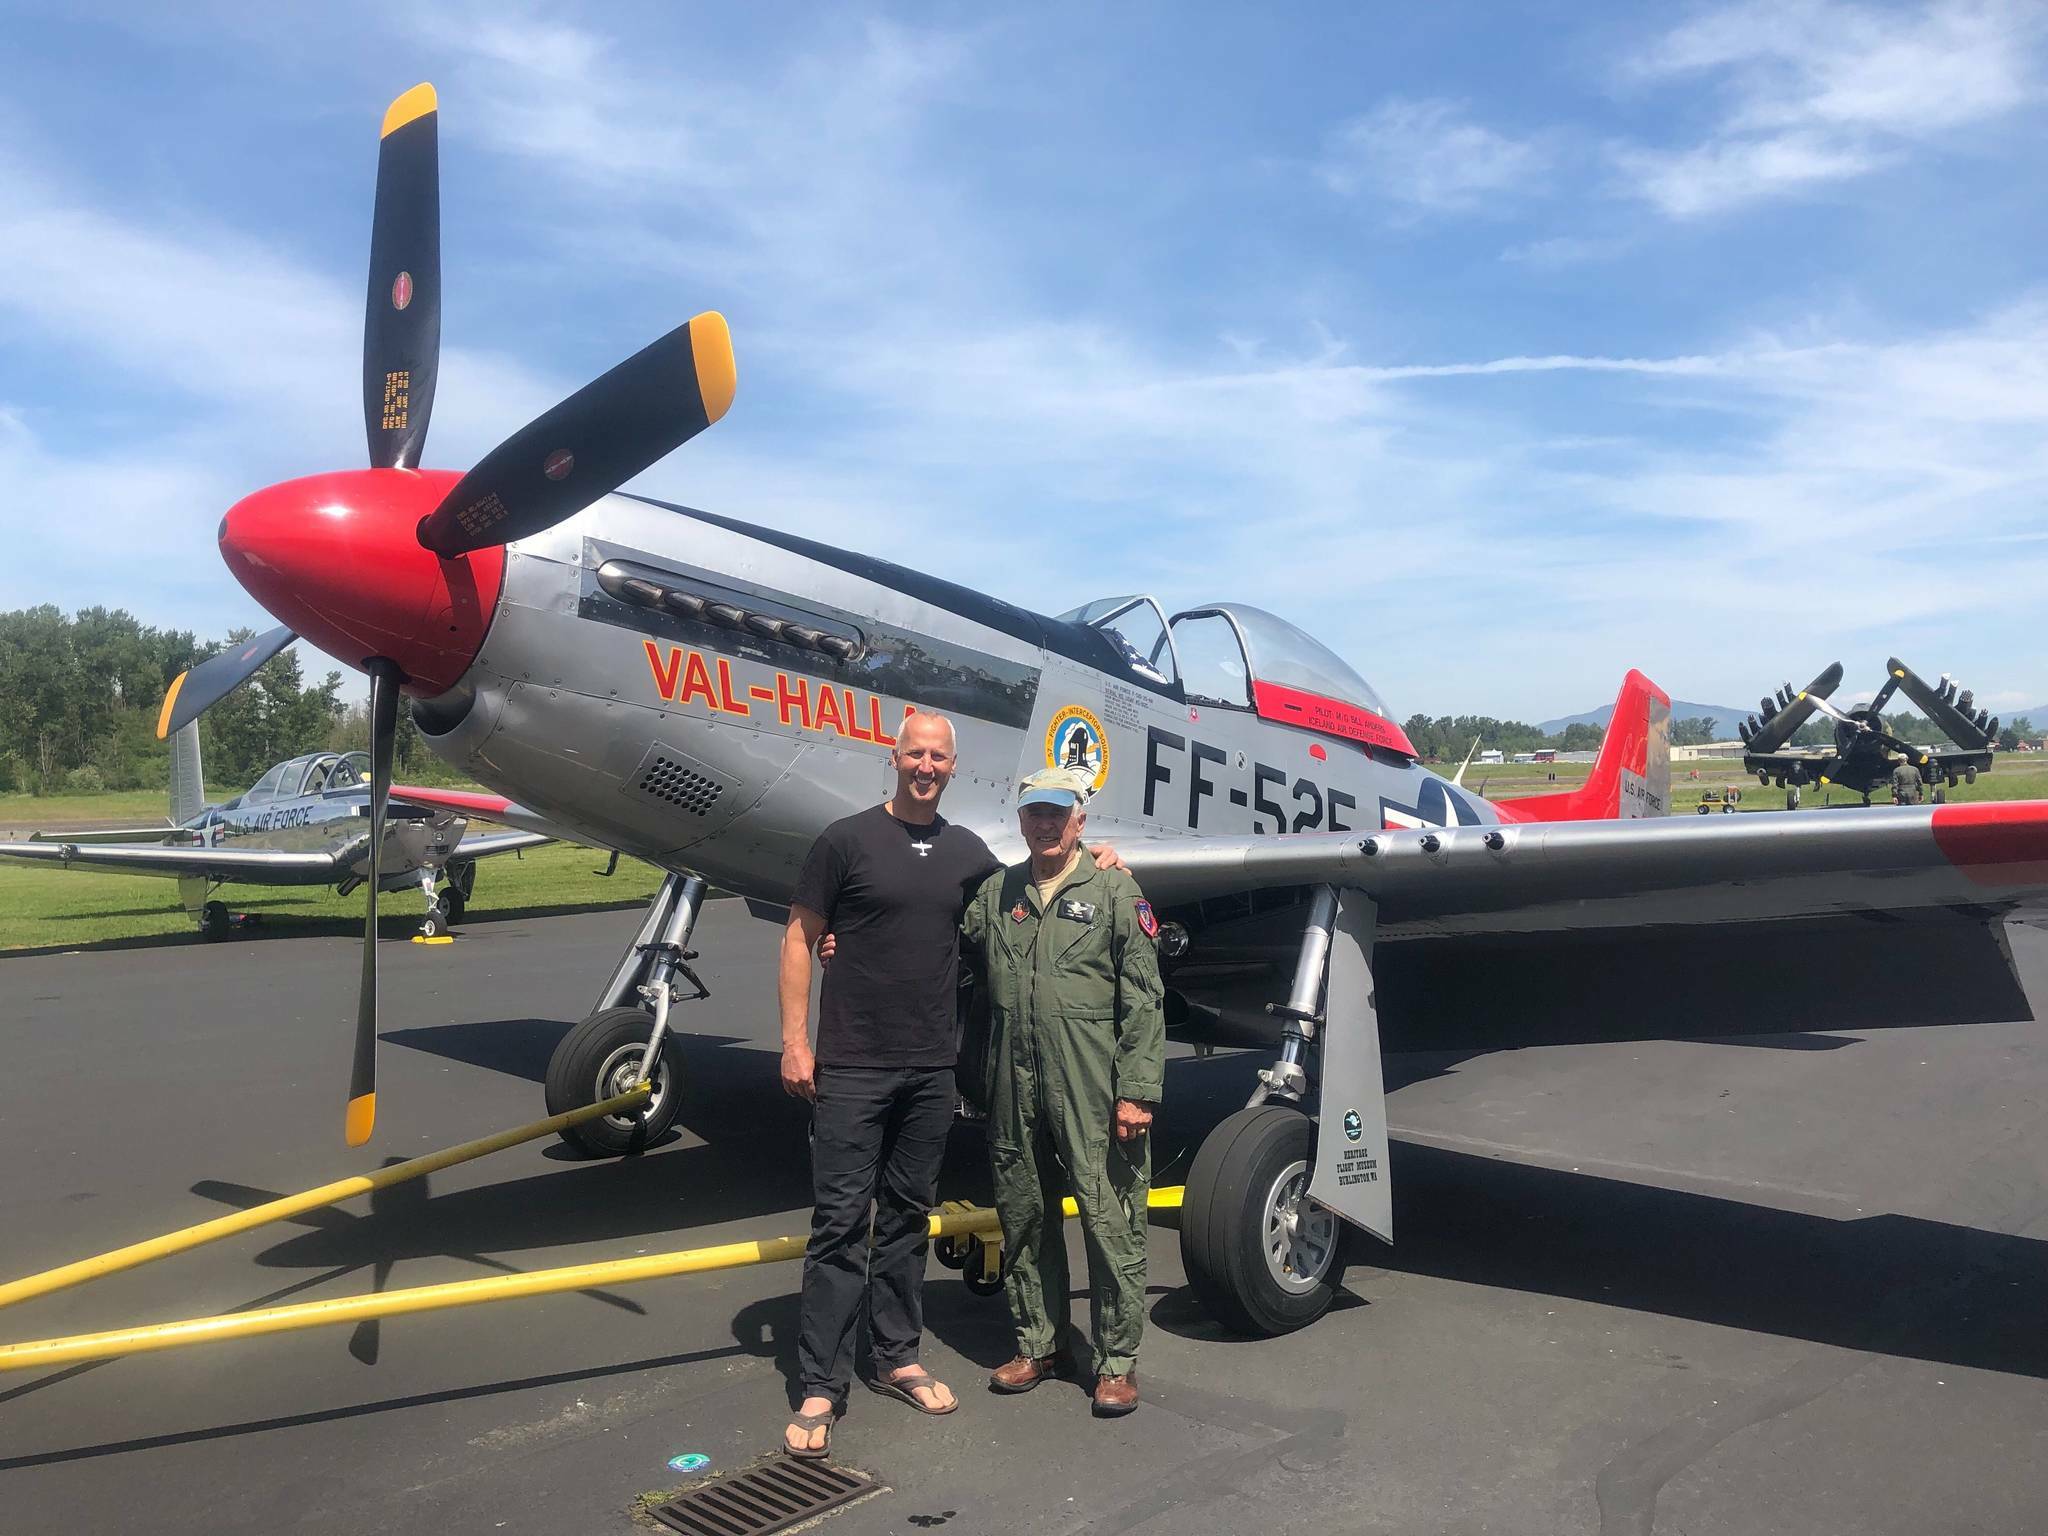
{"x":878,"y":1135}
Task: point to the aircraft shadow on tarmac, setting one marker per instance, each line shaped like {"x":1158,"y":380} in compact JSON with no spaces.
{"x":1885,"y":1284}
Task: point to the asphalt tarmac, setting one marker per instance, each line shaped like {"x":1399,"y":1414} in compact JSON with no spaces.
{"x":1792,"y":1283}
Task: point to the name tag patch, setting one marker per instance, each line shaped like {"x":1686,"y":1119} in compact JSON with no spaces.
{"x":1079,"y":911}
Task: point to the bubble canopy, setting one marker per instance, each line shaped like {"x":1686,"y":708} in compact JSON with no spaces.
{"x":1297,"y":680}
{"x":1241,"y":657}
{"x":1279,"y":652}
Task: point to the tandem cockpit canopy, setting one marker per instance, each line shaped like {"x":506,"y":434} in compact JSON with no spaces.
{"x":312,"y":774}
{"x":1236,"y":656}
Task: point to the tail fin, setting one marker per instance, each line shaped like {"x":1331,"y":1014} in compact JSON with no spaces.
{"x":1632,"y":774}
{"x":188,"y":784}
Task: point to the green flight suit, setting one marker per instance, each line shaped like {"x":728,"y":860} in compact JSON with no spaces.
{"x":1076,"y":1023}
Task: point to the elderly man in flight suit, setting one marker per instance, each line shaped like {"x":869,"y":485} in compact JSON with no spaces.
{"x":1076,"y":1053}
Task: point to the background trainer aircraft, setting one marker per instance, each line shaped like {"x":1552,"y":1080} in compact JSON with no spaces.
{"x":708,"y":695}
{"x":305,"y":822}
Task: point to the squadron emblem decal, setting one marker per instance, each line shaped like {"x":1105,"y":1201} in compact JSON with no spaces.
{"x":1076,"y":740}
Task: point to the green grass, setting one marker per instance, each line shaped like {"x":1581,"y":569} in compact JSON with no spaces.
{"x":57,"y":908}
{"x":139,"y":807}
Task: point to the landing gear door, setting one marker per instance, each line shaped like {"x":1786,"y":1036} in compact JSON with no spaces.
{"x":1351,"y":1175}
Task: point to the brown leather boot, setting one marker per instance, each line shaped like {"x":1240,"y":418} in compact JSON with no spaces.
{"x":1023,"y":1373}
{"x":1115,"y":1396}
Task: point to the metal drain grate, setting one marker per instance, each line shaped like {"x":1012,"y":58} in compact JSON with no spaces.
{"x":762,"y":1500}
{"x":665,"y":779}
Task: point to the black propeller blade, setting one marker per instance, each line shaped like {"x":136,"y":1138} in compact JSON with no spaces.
{"x":402,"y":317}
{"x":1777,"y":729}
{"x":592,"y":443}
{"x":362,"y":1078}
{"x":199,"y":688}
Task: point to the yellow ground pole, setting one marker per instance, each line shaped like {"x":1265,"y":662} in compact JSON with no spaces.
{"x":460,"y":1293}
{"x":292,"y":1205}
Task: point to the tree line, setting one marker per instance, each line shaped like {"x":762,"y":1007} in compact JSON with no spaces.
{"x":1447,"y":738}
{"x":80,"y":695}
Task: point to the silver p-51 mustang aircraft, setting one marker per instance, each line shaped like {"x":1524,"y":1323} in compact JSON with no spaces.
{"x":305,"y":822}
{"x":708,"y":695}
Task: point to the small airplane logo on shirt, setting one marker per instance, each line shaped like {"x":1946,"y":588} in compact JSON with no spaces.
{"x":923,"y":849}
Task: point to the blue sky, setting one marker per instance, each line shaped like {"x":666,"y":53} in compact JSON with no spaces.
{"x":1504,"y":346}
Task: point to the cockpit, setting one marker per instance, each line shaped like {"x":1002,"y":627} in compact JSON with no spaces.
{"x":1235,"y":656}
{"x":313,"y":774}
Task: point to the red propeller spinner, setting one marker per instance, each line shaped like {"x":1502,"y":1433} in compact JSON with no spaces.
{"x":338,"y":558}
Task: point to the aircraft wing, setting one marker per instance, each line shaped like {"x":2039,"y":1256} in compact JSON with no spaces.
{"x":1677,"y":871}
{"x":252,"y":866}
{"x":481,"y":845}
{"x":150,"y":835}
{"x":489,"y":807}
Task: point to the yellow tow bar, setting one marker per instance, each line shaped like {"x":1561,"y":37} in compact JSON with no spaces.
{"x":953,"y":1221}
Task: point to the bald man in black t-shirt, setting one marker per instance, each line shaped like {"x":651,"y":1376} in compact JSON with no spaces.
{"x":889,"y":883}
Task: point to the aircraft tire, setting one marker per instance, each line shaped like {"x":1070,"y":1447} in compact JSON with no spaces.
{"x":594,"y":1061}
{"x":452,"y":905}
{"x":214,"y":922}
{"x":1224,"y":1223}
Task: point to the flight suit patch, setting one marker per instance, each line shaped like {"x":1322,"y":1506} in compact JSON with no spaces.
{"x":1019,"y":912}
{"x":1147,"y":919}
{"x":1079,"y":911}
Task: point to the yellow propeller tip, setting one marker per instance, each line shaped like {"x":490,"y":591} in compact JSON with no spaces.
{"x":415,"y":103}
{"x":362,"y":1119}
{"x":163,"y":719}
{"x":717,"y":373}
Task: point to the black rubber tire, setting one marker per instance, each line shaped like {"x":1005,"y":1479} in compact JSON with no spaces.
{"x":453,"y":905}
{"x":435,"y":924}
{"x":572,"y":1082}
{"x":1221,"y":1228}
{"x":214,"y":922}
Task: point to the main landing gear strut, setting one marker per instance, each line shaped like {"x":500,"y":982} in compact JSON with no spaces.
{"x":605,"y":1054}
{"x":1262,"y":1255}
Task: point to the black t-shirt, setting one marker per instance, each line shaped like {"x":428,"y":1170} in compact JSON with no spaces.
{"x":891,"y":894}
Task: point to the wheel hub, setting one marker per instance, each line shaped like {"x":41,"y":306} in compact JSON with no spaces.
{"x":620,"y":1073}
{"x":1300,"y":1238}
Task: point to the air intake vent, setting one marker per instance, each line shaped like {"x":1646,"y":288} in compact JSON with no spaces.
{"x":663,"y":778}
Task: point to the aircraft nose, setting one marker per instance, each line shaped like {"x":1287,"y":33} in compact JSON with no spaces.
{"x":337,"y":557}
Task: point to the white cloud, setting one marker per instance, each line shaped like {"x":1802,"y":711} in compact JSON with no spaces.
{"x":1819,"y":91}
{"x":1429,"y":156}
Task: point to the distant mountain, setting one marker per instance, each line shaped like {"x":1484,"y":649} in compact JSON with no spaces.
{"x":1725,"y":717}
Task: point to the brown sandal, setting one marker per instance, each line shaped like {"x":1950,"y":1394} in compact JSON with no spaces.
{"x":808,"y":1422}
{"x":904,"y":1389}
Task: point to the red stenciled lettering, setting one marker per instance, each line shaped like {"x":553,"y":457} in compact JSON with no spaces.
{"x":828,"y":709}
{"x":798,"y":699}
{"x":853,"y":719}
{"x":727,"y":702}
{"x":664,"y":677}
{"x":882,"y":737}
{"x":697,"y":680}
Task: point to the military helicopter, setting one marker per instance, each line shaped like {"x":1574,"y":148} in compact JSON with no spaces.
{"x":1864,"y":751}
{"x":709,"y":694}
{"x":301,"y":823}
